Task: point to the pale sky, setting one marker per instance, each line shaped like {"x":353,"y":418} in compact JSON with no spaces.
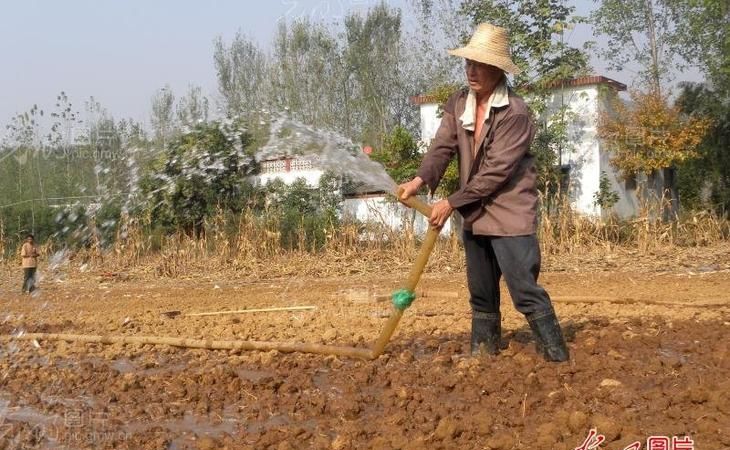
{"x":121,"y":52}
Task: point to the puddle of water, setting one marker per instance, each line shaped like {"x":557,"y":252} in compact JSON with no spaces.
{"x":189,"y":424}
{"x":254,"y":376}
{"x":264,"y":425}
{"x":30,"y":415}
{"x":171,"y":368}
{"x":123,"y":365}
{"x":670,"y":353}
{"x":321,"y":380}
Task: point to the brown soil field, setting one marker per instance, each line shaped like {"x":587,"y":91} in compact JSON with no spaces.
{"x":650,"y":356}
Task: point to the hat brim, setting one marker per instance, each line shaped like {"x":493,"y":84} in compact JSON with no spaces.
{"x":481,"y":56}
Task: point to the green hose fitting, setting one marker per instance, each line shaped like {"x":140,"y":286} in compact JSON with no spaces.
{"x":402,"y":298}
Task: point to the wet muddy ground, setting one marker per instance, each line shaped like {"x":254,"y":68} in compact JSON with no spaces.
{"x":650,"y":356}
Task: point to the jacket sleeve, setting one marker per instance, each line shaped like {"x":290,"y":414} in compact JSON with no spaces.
{"x":443,"y":147}
{"x":512,"y":139}
{"x":24,"y":251}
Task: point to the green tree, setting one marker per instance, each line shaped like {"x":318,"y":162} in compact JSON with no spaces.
{"x":372,"y":55}
{"x":201,"y":170}
{"x":605,"y":197}
{"x":400,"y":155}
{"x":242,"y":72}
{"x":163,"y":115}
{"x":302,"y":208}
{"x":641,"y":32}
{"x":703,"y":38}
{"x":307,"y":75}
{"x":705,"y":181}
{"x":193,"y":107}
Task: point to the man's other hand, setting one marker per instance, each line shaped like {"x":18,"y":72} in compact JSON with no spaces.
{"x":409,"y":189}
{"x":440,"y":211}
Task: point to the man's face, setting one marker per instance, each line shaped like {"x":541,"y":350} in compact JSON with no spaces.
{"x":29,"y":240}
{"x":482,"y":78}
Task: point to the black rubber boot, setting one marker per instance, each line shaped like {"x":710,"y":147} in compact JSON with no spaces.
{"x":486,"y":333}
{"x":548,"y":336}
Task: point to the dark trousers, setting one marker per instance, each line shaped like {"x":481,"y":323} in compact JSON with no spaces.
{"x":517,"y":258}
{"x":28,"y":279}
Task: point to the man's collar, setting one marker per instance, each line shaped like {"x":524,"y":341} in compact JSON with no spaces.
{"x":499,"y":98}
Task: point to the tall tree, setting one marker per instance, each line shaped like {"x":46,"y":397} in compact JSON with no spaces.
{"x":705,"y":181}
{"x":242,"y":74}
{"x":373,"y":56}
{"x":308,"y":75}
{"x":193,"y":107}
{"x":641,"y":32}
{"x":705,"y":39}
{"x":202,"y":169}
{"x":163,"y":115}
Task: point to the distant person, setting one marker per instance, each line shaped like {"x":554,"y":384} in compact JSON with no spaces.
{"x":489,"y":129}
{"x":29,"y":256}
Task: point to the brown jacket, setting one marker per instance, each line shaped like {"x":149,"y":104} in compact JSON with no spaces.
{"x":497,"y":194}
{"x":29,"y":255}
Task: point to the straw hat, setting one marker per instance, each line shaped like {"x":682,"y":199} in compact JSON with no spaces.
{"x":489,"y":45}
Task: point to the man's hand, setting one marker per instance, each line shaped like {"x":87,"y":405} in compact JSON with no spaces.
{"x":440,"y":211}
{"x":409,"y":189}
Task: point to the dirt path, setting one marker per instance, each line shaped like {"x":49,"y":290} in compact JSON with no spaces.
{"x":640,"y":367}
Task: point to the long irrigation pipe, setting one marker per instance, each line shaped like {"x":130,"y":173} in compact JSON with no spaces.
{"x":288,"y":347}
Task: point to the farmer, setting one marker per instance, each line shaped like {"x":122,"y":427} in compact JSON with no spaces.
{"x":489,"y":129}
{"x":29,"y":257}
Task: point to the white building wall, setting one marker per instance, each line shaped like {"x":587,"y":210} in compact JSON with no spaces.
{"x":628,"y":204}
{"x":582,"y":154}
{"x":429,"y":121}
{"x":382,"y":210}
{"x":311,"y":176}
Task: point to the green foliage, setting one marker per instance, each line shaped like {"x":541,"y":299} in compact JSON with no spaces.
{"x":441,"y":94}
{"x":605,"y":197}
{"x":20,"y":220}
{"x":303,"y":211}
{"x":705,"y":39}
{"x":705,"y":181}
{"x":355,"y":80}
{"x":545,"y":149}
{"x":241,"y":69}
{"x":450,"y":181}
{"x":641,"y":32}
{"x":330,"y":196}
{"x":536,"y":28}
{"x":54,"y":166}
{"x":307,"y":74}
{"x":201,"y":170}
{"x":373,"y":58}
{"x":400,"y":155}
{"x":163,"y":118}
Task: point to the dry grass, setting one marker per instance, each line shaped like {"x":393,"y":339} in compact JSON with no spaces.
{"x":562,"y":230}
{"x":252,"y":247}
